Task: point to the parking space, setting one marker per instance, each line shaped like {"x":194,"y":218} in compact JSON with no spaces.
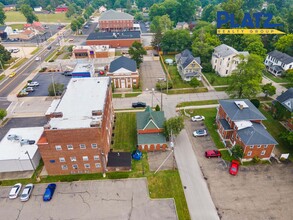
{"x":256,"y":192}
{"x":45,"y":79}
{"x":106,"y":199}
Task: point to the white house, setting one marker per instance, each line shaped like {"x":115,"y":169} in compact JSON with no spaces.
{"x":5,"y":31}
{"x":19,"y":150}
{"x":278,"y":62}
{"x":225,"y":59}
{"x":38,"y":9}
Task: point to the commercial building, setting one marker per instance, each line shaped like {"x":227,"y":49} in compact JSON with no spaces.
{"x":90,"y":52}
{"x":83,"y":70}
{"x":19,"y":150}
{"x":78,"y":135}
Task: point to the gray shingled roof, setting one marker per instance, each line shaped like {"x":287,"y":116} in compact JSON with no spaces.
{"x":114,"y":35}
{"x":256,"y":135}
{"x":185,"y":58}
{"x":237,"y":114}
{"x":122,"y":62}
{"x":283,"y":57}
{"x":115,"y":15}
{"x":286,"y":97}
{"x":224,"y":50}
{"x":2,"y":28}
{"x":225,"y":124}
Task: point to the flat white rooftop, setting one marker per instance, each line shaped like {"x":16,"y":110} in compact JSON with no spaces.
{"x":83,"y":67}
{"x":83,"y":95}
{"x":12,"y":149}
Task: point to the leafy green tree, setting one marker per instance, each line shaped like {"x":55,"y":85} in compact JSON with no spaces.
{"x":56,"y":89}
{"x":28,"y":13}
{"x":255,"y":102}
{"x":246,"y":79}
{"x":194,"y":82}
{"x":157,"y":38}
{"x":71,"y":11}
{"x":5,"y":55}
{"x":285,"y":44}
{"x":257,"y":48}
{"x":209,"y":12}
{"x":268,"y":89}
{"x":287,"y":137}
{"x":158,"y":108}
{"x":2,"y":14}
{"x":272,"y":9}
{"x":252,"y":4}
{"x":138,"y":16}
{"x":185,"y":10}
{"x":136,"y":52}
{"x":173,"y":125}
{"x":74,"y":25}
{"x":235,"y":7}
{"x":161,"y":23}
{"x":237,"y":151}
{"x":175,"y":40}
{"x":3,"y":114}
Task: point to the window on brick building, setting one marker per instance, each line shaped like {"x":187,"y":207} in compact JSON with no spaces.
{"x":75,"y":166}
{"x":61,"y":159}
{"x":73,"y":159}
{"x":263,"y":152}
{"x":85,"y":158}
{"x":87,"y":165}
{"x":96,"y":157}
{"x":69,"y":147}
{"x":258,"y":146}
{"x":251,"y":147}
{"x":58,"y":147}
{"x":64,"y":167}
{"x":82,"y":146}
{"x":98,"y":165}
{"x":266,"y":146}
{"x":249,"y":153}
{"x":94,"y":146}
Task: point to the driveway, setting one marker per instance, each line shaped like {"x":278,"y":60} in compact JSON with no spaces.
{"x":104,"y":199}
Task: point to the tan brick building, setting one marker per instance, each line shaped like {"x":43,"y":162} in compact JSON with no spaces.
{"x":78,"y":135}
{"x":115,"y":21}
{"x":90,"y":52}
{"x":240,"y":123}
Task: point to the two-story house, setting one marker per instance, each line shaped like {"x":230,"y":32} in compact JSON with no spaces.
{"x":188,"y":66}
{"x":150,"y":130}
{"x":225,"y":59}
{"x":240,"y":123}
{"x":277,"y":62}
{"x":124,"y":73}
{"x":285,"y":100}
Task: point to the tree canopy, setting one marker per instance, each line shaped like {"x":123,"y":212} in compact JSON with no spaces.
{"x":136,"y":52}
{"x":175,"y":40}
{"x":2,"y":14}
{"x":173,"y":126}
{"x":28,"y":13}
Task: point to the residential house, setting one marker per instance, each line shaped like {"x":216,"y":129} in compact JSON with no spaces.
{"x":115,"y":21}
{"x":102,"y":9}
{"x":225,"y":59}
{"x":77,"y":138}
{"x":19,"y":150}
{"x":61,"y":9}
{"x":11,"y":7}
{"x":150,"y":130}
{"x":83,"y":70}
{"x":90,"y":52}
{"x":240,"y":123}
{"x":5,"y":31}
{"x":124,"y":73}
{"x":38,"y":9}
{"x":114,"y":39}
{"x":22,"y":35}
{"x":188,"y":66}
{"x":277,"y":62}
{"x":36,"y":27}
{"x":285,"y":100}
{"x":182,"y":25}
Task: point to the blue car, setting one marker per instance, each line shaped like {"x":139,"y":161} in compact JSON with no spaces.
{"x":49,"y":192}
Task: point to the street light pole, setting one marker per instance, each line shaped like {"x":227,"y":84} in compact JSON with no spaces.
{"x":30,"y":161}
{"x":153,"y":97}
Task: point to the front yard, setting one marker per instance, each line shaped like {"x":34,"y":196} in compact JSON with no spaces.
{"x":216,"y":80}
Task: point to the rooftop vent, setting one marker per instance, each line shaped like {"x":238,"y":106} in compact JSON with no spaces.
{"x":56,"y":115}
{"x":47,"y":126}
{"x":13,"y":137}
{"x":241,"y":104}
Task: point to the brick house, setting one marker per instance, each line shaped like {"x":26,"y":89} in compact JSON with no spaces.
{"x":115,"y":21}
{"x":114,"y":39}
{"x":240,"y":122}
{"x":123,"y":73}
{"x":90,"y":52}
{"x":188,"y":66}
{"x":61,"y":9}
{"x":277,"y":62}
{"x":150,"y":128}
{"x":285,"y":100}
{"x":77,"y":137}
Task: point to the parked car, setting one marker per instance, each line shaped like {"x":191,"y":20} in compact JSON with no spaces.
{"x":138,"y":105}
{"x":234,"y":167}
{"x":33,"y":83}
{"x":86,"y":27}
{"x":197,"y":118}
{"x":49,"y":192}
{"x":26,"y":192}
{"x":212,"y":153}
{"x":200,"y":133}
{"x":38,"y":59}
{"x":16,"y":50}
{"x":15,"y":190}
{"x":12,"y":74}
{"x":67,"y":73}
{"x":29,"y":89}
{"x":49,"y":48}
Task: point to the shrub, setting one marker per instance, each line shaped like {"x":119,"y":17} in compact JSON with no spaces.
{"x":158,"y":108}
{"x":163,"y":85}
{"x":51,"y":61}
{"x":255,"y":102}
{"x":256,"y":159}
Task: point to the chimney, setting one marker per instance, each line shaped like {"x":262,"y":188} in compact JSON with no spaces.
{"x":241,"y":106}
{"x":118,"y":154}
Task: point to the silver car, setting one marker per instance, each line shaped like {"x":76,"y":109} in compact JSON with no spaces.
{"x":26,"y":192}
{"x":15,"y":191}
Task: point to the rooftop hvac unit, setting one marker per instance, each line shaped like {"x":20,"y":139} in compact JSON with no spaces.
{"x":24,"y":141}
{"x":95,"y":124}
{"x":12,"y":137}
{"x":57,"y":115}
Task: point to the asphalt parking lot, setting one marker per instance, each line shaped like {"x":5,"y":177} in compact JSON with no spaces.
{"x":257,"y":192}
{"x":104,"y":199}
{"x":45,"y":79}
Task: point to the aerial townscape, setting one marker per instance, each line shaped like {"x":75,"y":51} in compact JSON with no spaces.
{"x":146,"y":109}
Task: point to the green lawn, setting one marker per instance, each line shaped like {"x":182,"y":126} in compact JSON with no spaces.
{"x":218,"y":81}
{"x":16,"y":16}
{"x":274,"y":78}
{"x":204,"y":102}
{"x":2,"y":77}
{"x":221,"y":89}
{"x":185,"y":91}
{"x":125,"y":132}
{"x":19,"y":63}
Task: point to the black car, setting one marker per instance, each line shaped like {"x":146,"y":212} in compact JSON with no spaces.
{"x":138,"y":105}
{"x":49,"y":48}
{"x":67,"y":73}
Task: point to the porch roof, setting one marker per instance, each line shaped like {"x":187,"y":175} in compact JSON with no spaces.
{"x":225,"y":124}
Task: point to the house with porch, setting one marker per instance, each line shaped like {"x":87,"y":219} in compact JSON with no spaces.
{"x":277,"y":62}
{"x":188,"y":66}
{"x":124,"y":73}
{"x":150,"y":130}
{"x":240,"y":123}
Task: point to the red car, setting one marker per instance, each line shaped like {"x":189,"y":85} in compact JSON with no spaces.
{"x":212,"y":153}
{"x":234,"y":167}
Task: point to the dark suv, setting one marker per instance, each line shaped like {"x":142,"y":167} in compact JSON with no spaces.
{"x":138,"y":105}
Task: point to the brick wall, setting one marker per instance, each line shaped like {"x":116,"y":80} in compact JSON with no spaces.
{"x":152,"y":147}
{"x":116,"y":24}
{"x":113,"y":42}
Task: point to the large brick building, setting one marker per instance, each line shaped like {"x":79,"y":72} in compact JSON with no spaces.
{"x":240,"y":123}
{"x":90,"y":52}
{"x":114,"y":39}
{"x":115,"y":21}
{"x":77,"y":137}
